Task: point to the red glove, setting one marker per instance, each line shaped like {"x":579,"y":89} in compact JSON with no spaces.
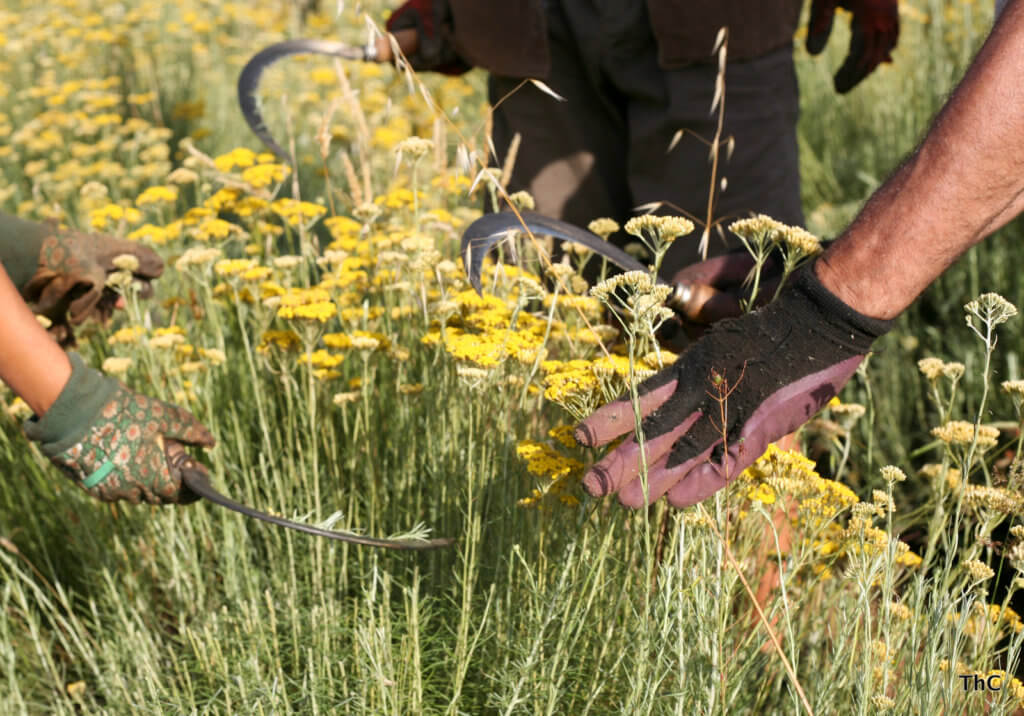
{"x":435,"y":50}
{"x":875,"y":28}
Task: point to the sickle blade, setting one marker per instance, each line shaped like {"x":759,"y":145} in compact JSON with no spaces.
{"x":249,"y":80}
{"x":482,"y":235}
{"x":195,"y":477}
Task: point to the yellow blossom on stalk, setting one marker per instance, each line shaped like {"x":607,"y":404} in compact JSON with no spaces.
{"x":658,"y":230}
{"x":195,"y":215}
{"x":265,"y":175}
{"x":215,"y":229}
{"x":321,"y":359}
{"x":997,"y":499}
{"x":113,"y":214}
{"x":961,"y":432}
{"x":239,"y":157}
{"x":257,"y":273}
{"x":149,"y":232}
{"x":233,"y":267}
{"x":126,"y":336}
{"x":197,"y":257}
{"x":564,"y":434}
{"x":157,"y":195}
{"x":214,"y":355}
{"x":410,"y":388}
{"x":544,"y":461}
{"x":250,"y":205}
{"x":285,"y":340}
{"x":337,"y":340}
{"x":761,"y":493}
{"x":297,"y":213}
{"x":978,"y":570}
{"x":313,"y":304}
{"x":222,"y":199}
{"x":116,"y":365}
{"x":343,"y":398}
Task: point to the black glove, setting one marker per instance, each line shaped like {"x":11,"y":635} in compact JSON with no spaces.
{"x":435,"y":50}
{"x":781,"y":363}
{"x":875,"y":29}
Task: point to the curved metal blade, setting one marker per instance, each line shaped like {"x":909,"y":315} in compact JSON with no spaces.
{"x":196,"y":478}
{"x":249,"y":80}
{"x":482,"y":235}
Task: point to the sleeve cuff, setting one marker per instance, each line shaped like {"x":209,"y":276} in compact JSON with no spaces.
{"x":75,"y":410}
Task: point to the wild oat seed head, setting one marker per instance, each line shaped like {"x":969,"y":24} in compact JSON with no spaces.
{"x":603,"y":227}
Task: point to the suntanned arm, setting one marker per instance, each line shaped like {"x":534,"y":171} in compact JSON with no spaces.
{"x":31,"y":363}
{"x":964,"y":182}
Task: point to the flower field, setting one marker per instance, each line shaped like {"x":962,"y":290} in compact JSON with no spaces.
{"x":319,"y":322}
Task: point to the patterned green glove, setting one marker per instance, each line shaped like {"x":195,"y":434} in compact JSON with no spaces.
{"x":110,"y":440}
{"x":62,"y":273}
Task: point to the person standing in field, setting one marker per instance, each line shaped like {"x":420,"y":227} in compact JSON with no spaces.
{"x":108,"y":439}
{"x":633,"y":74}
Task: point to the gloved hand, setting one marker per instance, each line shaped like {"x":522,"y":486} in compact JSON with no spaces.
{"x":110,"y":440}
{"x":61,"y":273}
{"x":780,"y":364}
{"x":435,"y":49}
{"x":875,"y":29}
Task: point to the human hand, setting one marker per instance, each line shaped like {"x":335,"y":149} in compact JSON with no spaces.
{"x":111,"y":441}
{"x":431,"y":47}
{"x":875,"y":28}
{"x":746,"y":383}
{"x":69,"y":283}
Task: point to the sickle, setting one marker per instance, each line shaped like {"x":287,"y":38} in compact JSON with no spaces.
{"x":687,"y":298}
{"x":379,"y":50}
{"x":249,"y":80}
{"x":195,"y":477}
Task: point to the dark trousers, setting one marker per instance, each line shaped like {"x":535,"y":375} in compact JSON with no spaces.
{"x":604,"y":151}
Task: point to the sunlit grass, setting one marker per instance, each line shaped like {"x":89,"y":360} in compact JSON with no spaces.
{"x":319,"y":323}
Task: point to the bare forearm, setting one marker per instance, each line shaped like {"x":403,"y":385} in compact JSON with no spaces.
{"x":963,"y":183}
{"x":31,"y":363}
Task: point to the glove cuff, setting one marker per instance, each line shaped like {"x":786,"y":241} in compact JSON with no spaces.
{"x":75,"y":410}
{"x":852,"y":328}
{"x":20,"y":243}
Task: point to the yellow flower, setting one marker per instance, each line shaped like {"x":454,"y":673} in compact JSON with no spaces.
{"x":157,"y":195}
{"x":297,"y":212}
{"x":239,"y":157}
{"x":264,"y":175}
{"x":233,"y":267}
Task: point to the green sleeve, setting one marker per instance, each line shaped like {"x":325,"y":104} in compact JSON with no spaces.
{"x":75,"y":410}
{"x":20,"y":242}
